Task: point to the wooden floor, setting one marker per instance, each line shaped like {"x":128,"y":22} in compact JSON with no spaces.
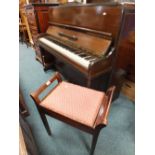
{"x":128,"y":89}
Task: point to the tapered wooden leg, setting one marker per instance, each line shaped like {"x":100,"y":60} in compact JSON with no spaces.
{"x":94,"y":141}
{"x":42,"y":115}
{"x":44,"y":119}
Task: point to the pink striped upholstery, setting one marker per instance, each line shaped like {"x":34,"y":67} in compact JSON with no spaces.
{"x":75,"y":102}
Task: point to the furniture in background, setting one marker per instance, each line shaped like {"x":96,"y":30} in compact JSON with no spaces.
{"x":125,"y":59}
{"x":128,"y":89}
{"x":24,"y":21}
{"x":23,"y":35}
{"x":27,"y":144}
{"x":37,"y":15}
{"x":81,"y":107}
{"x":22,"y":105}
{"x":126,"y":46}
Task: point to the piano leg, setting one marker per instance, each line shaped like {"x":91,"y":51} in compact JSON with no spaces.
{"x":47,"y":59}
{"x":45,"y":64}
{"x":89,"y":82}
{"x":100,"y":82}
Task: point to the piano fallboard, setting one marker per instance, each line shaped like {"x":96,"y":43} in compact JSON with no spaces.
{"x":95,"y":45}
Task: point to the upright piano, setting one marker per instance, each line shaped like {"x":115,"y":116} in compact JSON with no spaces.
{"x":82,"y":40}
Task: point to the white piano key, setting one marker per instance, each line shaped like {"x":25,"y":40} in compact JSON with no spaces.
{"x":71,"y":55}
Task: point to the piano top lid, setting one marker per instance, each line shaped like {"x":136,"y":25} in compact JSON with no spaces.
{"x":95,"y":45}
{"x":103,"y":17}
{"x":75,"y":4}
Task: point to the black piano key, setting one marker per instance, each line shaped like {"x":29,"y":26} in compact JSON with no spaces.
{"x":88,"y":56}
{"x":81,"y":54}
{"x":91,"y":60}
{"x":75,"y":51}
{"x":80,"y":51}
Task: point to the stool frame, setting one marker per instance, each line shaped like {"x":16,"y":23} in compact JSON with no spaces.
{"x":98,"y":124}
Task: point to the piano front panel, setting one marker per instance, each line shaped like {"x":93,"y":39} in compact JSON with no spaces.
{"x":101,"y":17}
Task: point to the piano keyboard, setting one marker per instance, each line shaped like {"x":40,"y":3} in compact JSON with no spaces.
{"x":80,"y":58}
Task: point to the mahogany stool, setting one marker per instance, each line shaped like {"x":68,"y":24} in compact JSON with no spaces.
{"x":81,"y":107}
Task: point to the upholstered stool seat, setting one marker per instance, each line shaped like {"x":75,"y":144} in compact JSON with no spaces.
{"x":75,"y":102}
{"x":81,"y":107}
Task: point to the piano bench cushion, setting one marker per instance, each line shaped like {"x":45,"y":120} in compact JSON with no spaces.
{"x":75,"y":102}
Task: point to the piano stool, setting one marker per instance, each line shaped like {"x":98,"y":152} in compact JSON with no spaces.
{"x":78,"y":106}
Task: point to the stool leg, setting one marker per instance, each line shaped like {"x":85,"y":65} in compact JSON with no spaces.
{"x":94,"y":141}
{"x":44,"y":119}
